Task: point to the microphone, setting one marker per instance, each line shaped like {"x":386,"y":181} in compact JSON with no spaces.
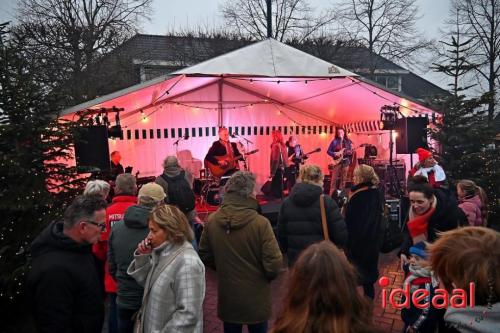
{"x":232,"y":135}
{"x":186,"y":136}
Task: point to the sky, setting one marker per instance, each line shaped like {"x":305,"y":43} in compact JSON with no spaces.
{"x":168,"y":15}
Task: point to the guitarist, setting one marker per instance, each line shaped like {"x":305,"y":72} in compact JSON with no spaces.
{"x":296,"y":156}
{"x":223,"y":147}
{"x":279,"y":162}
{"x":341,"y":151}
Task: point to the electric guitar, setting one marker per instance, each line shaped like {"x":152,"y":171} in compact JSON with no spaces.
{"x":304,"y":156}
{"x":219,"y":170}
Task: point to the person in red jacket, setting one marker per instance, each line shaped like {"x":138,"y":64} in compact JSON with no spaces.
{"x":125,"y":196}
{"x":428,"y":167}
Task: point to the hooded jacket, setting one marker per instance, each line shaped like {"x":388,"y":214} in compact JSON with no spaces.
{"x":299,"y":221}
{"x":63,"y":285}
{"x":125,"y":236}
{"x":472,"y":209}
{"x":240,"y":244}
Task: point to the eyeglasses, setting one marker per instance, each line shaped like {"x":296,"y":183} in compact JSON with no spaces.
{"x":100,"y":225}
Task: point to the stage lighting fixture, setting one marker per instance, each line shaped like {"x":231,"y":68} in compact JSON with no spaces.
{"x":115,"y":132}
{"x":388,"y":117}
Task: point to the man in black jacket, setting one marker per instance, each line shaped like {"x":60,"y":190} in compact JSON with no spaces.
{"x":63,"y":284}
{"x":223,"y":147}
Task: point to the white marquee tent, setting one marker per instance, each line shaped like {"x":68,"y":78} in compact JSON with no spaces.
{"x":251,"y":91}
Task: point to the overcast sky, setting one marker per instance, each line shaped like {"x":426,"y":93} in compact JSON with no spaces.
{"x":171,"y":15}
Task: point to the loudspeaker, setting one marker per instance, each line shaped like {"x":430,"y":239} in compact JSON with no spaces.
{"x":412,"y":134}
{"x":91,"y":149}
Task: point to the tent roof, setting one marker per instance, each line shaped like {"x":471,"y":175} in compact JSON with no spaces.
{"x":267,"y":58}
{"x":265,"y":72}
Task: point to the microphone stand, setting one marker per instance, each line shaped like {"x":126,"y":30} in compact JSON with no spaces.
{"x":176,"y":143}
{"x":234,"y":136}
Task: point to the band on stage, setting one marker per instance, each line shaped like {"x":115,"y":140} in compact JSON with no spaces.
{"x":286,"y":158}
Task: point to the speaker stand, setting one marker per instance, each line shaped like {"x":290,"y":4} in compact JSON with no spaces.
{"x":392,"y":175}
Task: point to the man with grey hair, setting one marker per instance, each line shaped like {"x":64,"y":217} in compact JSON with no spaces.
{"x":241,"y":244}
{"x":123,"y":241}
{"x":177,"y":184}
{"x":125,"y":189}
{"x":63,"y":285}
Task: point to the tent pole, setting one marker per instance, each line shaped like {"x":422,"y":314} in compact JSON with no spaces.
{"x":220,"y":119}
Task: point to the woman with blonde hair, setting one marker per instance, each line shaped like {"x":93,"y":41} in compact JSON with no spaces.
{"x":473,"y":201}
{"x":279,"y":161}
{"x":299,"y":221}
{"x":321,"y":296}
{"x":363,"y":216}
{"x":172,"y":274}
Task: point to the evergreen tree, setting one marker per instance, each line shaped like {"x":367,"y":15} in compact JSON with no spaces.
{"x":35,"y":182}
{"x":464,"y":133}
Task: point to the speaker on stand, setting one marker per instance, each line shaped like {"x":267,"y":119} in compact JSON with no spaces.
{"x":412,"y":134}
{"x":91,"y":149}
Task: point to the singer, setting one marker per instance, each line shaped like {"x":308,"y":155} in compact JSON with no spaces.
{"x":223,"y":154}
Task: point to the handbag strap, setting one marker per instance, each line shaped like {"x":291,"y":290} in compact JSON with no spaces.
{"x":323,"y":217}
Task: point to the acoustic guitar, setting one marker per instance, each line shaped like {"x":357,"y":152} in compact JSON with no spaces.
{"x":339,"y":157}
{"x":219,"y":170}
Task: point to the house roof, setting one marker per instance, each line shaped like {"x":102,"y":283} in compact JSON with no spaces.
{"x":176,"y":52}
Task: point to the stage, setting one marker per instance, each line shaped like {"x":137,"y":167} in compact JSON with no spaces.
{"x":269,"y":208}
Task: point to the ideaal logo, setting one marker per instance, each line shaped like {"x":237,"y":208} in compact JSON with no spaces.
{"x":420,"y":298}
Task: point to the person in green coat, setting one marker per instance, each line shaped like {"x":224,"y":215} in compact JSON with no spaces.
{"x":240,"y":245}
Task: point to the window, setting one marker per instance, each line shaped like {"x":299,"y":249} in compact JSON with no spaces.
{"x":389,"y":81}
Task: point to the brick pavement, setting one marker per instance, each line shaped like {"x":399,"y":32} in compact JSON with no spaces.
{"x":388,"y":319}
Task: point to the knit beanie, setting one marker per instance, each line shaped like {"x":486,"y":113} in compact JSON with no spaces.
{"x":419,"y":250}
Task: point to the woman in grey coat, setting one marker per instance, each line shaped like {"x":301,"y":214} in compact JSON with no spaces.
{"x":172,"y":274}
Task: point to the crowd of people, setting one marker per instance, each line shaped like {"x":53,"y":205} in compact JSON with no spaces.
{"x":139,"y":254}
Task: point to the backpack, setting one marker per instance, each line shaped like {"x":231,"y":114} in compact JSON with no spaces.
{"x":180,"y":193}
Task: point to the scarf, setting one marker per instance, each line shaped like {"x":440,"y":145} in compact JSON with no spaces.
{"x":418,"y":224}
{"x":416,"y":272}
{"x":436,"y":170}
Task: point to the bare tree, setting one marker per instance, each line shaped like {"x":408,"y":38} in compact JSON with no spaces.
{"x":385,"y":27}
{"x":68,"y":37}
{"x":290,"y":18}
{"x":481,"y":23}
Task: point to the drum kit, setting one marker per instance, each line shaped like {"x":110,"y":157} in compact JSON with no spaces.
{"x":212,"y":188}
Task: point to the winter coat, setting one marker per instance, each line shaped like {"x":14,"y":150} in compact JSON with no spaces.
{"x":479,"y":319}
{"x":114,"y":213}
{"x":125,"y":236}
{"x":299,"y":221}
{"x":447,"y":216}
{"x":63,"y":286}
{"x":175,"y":300}
{"x":240,"y":244}
{"x":472,"y":209}
{"x":424,"y":320}
{"x":363,"y":219}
